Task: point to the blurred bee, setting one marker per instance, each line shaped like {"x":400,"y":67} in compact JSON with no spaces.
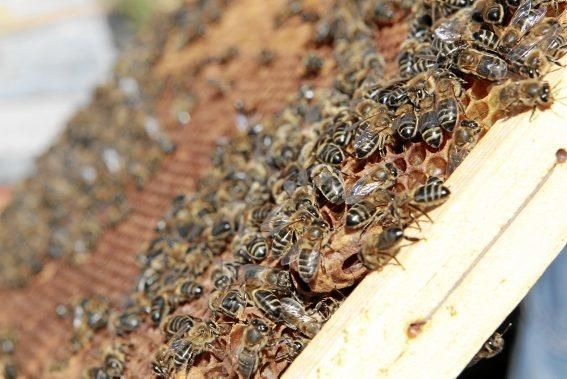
{"x":229,"y":302}
{"x":465,"y":137}
{"x":524,"y":93}
{"x":218,"y":234}
{"x":524,"y":18}
{"x":330,"y":153}
{"x":490,"y":11}
{"x":126,"y":322}
{"x":294,"y":315}
{"x":188,"y":290}
{"x":329,"y":182}
{"x":380,"y":177}
{"x":256,"y":276}
{"x":294,"y":347}
{"x":224,"y":275}
{"x":254,"y":339}
{"x":161,"y":306}
{"x":266,"y":57}
{"x":312,"y":64}
{"x":376,"y":253}
{"x":482,"y":64}
{"x":177,"y":325}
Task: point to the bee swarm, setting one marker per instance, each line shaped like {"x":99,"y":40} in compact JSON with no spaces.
{"x":299,"y":206}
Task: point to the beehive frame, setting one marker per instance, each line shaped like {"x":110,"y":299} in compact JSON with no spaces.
{"x":455,"y":287}
{"x":487,"y":247}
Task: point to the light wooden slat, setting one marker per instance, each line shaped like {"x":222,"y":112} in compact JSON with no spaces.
{"x":503,"y":190}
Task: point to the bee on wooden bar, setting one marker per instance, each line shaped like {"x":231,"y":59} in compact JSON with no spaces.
{"x":376,"y":253}
{"x":465,"y":137}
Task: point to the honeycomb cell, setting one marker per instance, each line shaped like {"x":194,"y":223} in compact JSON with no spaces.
{"x":436,"y":166}
{"x":416,"y":154}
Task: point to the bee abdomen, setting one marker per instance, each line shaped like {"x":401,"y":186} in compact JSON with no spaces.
{"x":308,"y":263}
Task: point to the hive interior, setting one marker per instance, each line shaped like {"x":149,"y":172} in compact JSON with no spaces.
{"x":111,"y":270}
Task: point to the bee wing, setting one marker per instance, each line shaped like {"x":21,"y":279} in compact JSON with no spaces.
{"x":276,"y":221}
{"x":360,"y":190}
{"x":289,"y":257}
{"x":526,"y":17}
{"x":450,"y":30}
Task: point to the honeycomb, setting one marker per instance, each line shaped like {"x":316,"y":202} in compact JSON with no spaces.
{"x":258,"y":90}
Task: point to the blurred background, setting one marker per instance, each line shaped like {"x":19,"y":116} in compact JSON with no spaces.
{"x":54,"y":52}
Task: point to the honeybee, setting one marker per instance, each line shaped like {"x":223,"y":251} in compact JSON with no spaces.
{"x":361,"y":214}
{"x":294,"y":315}
{"x":251,"y":247}
{"x":380,"y":177}
{"x":224,"y":275}
{"x":267,"y":302}
{"x":485,"y":39}
{"x":492,"y":347}
{"x":430,"y":195}
{"x":177,"y":325}
{"x":188,"y":290}
{"x":294,"y":347}
{"x":465,"y":137}
{"x":524,"y":93}
{"x":229,"y":302}
{"x":373,"y":134}
{"x":307,"y":252}
{"x":482,"y":64}
{"x":428,"y":125}
{"x":490,"y":11}
{"x":376,"y":253}
{"x":405,"y":123}
{"x":448,"y":92}
{"x":329,"y":182}
{"x":256,"y":276}
{"x":114,"y":363}
{"x":330,"y":153}
{"x":254,"y":340}
{"x":161,"y":306}
{"x":524,"y":18}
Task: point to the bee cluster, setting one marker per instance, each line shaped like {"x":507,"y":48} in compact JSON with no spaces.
{"x":116,"y":142}
{"x":298,"y":208}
